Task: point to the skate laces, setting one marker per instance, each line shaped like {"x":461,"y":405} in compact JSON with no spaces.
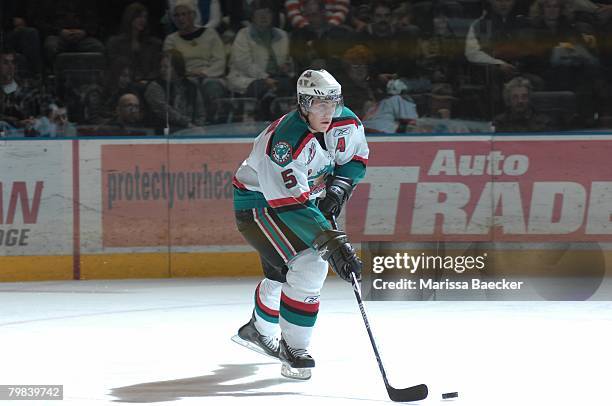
{"x":298,"y":352}
{"x":270,"y":342}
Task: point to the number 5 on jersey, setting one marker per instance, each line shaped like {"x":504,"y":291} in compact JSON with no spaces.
{"x":289,"y":178}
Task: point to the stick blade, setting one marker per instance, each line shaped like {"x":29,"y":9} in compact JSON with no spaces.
{"x":412,"y":394}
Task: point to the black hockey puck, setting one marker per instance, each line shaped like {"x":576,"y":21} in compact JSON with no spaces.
{"x":450,"y":395}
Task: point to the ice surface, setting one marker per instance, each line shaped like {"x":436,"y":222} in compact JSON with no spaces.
{"x":167,"y":342}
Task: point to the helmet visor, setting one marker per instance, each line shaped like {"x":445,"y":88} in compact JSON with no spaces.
{"x":324,"y":105}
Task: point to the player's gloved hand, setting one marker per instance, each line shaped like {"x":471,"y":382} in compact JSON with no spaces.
{"x":338,"y":191}
{"x":334,"y":247}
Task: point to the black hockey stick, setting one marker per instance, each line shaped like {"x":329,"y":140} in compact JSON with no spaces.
{"x":411,"y":394}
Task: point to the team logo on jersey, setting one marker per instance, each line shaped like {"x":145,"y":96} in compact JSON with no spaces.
{"x":341,"y":132}
{"x":317,"y":182}
{"x":281,"y":153}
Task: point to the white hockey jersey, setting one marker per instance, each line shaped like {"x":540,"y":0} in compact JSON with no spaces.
{"x":288,"y":167}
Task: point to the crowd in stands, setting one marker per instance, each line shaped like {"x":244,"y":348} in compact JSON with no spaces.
{"x":120,"y":67}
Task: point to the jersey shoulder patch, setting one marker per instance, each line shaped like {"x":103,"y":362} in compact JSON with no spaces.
{"x":281,"y":153}
{"x":287,"y":139}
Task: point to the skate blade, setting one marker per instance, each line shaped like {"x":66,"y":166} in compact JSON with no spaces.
{"x":251,"y":346}
{"x":296,"y":373}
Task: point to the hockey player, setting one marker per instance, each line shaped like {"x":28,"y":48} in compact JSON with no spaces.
{"x":301,"y":171}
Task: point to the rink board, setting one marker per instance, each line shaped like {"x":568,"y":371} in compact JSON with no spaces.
{"x":156,"y":208}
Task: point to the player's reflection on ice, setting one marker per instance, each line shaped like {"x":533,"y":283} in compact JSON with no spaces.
{"x":214,"y":384}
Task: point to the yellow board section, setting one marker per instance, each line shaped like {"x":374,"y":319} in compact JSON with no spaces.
{"x":215,"y":264}
{"x":237,"y":264}
{"x":125,"y":266}
{"x":35,"y":268}
{"x":163,"y":265}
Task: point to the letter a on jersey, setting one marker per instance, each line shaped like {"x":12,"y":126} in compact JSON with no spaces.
{"x":281,"y":153}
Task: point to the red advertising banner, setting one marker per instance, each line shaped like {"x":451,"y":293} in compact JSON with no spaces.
{"x":169,"y":194}
{"x":415,"y":190}
{"x":501,"y":190}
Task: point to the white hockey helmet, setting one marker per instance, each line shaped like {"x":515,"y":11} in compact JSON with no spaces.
{"x":318,"y":84}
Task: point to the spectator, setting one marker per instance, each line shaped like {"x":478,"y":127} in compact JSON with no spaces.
{"x":497,"y":46}
{"x":496,"y":39}
{"x":355,"y":78}
{"x":127,"y":119}
{"x":208,"y":13}
{"x":333,"y":11}
{"x":204,"y":55}
{"x":394,"y":113}
{"x":101,"y":101}
{"x":74,"y":26}
{"x":20,"y":101}
{"x":20,"y":36}
{"x":112,"y":13}
{"x":392,"y":49}
{"x":520,"y":115}
{"x":173,"y":97}
{"x":240,"y":12}
{"x":402,"y":20}
{"x":439,"y":51}
{"x":135,"y":44}
{"x":260,"y":66}
{"x":361,"y":15}
{"x":551,"y":24}
{"x":565,"y":55}
{"x":55,"y":123}
{"x":319,"y":44}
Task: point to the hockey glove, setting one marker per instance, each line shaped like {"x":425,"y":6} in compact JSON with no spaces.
{"x":334,"y":247}
{"x":338,"y":191}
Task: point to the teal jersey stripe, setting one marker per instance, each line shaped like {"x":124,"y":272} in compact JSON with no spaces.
{"x":306,"y":222}
{"x":263,"y":315}
{"x":297,"y":319}
{"x":354,"y":170}
{"x":264,"y":221}
{"x":299,"y":219}
{"x":247,"y":199}
{"x":291,"y":129}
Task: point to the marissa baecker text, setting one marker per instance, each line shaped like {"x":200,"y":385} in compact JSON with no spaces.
{"x":474,"y":284}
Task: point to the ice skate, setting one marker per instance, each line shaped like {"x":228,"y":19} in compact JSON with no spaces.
{"x":296,"y":362}
{"x":249,"y":337}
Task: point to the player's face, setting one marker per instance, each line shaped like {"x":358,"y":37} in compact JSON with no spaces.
{"x":320,"y":114}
